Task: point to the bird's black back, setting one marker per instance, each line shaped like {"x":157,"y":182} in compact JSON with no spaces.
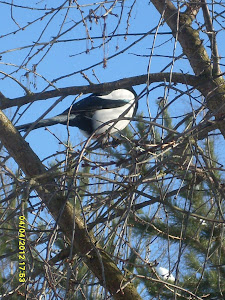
{"x":93,"y":103}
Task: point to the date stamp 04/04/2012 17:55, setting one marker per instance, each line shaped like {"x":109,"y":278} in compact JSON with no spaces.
{"x":22,"y":248}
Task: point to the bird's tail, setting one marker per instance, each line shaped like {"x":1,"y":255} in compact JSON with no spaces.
{"x":61,"y":119}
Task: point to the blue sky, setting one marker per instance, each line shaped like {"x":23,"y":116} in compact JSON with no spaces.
{"x":64,"y":57}
{"x":69,"y":56}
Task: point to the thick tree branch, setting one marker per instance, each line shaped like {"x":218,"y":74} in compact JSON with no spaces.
{"x":187,"y":36}
{"x":214,"y":88}
{"x":84,"y":244}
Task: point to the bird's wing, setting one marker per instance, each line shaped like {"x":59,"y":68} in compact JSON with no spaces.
{"x":93,"y":103}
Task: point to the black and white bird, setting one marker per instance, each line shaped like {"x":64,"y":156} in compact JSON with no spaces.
{"x":90,"y":113}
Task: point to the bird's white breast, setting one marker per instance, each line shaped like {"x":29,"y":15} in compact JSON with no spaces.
{"x":116,"y":114}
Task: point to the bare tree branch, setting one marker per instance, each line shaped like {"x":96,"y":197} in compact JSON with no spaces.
{"x":83,"y":241}
{"x":98,"y":88}
{"x":212,"y":37}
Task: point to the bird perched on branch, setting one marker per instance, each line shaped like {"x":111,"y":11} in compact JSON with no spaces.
{"x":90,"y":113}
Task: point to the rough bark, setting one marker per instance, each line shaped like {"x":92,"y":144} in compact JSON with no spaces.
{"x":213,"y":86}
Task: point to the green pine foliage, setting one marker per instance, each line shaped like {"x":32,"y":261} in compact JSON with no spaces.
{"x":149,"y":204}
